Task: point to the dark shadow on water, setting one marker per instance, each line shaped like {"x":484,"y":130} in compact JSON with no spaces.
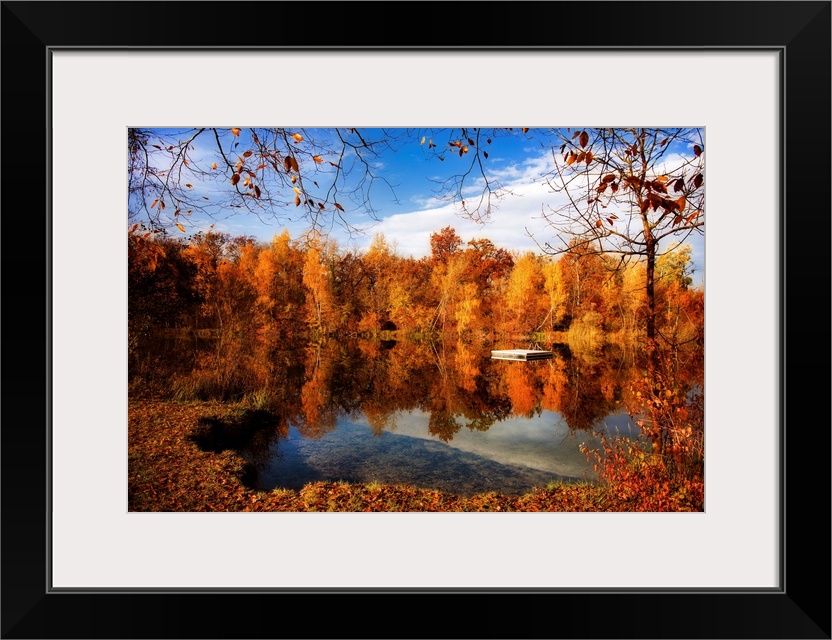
{"x":253,"y":434}
{"x":236,"y":434}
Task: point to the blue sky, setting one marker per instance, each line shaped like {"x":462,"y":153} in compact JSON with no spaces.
{"x":409,"y":209}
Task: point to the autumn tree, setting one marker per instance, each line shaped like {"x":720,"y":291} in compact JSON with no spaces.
{"x":318,"y":280}
{"x":627,"y":193}
{"x":524,"y":294}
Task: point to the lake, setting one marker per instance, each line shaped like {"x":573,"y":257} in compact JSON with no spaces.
{"x":432,"y":415}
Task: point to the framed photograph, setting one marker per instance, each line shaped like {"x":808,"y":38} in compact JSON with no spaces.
{"x":92,"y":548}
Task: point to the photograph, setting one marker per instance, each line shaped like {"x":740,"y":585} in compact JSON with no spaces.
{"x":416,"y":319}
{"x":415,"y":316}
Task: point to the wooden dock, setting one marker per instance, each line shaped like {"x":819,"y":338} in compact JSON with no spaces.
{"x":521,"y":354}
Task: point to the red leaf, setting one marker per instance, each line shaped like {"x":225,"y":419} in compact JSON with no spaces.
{"x":584,"y":138}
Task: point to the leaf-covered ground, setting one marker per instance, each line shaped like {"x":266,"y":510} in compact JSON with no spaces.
{"x":169,"y":472}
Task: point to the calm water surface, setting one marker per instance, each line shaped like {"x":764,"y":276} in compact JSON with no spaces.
{"x":436,"y":416}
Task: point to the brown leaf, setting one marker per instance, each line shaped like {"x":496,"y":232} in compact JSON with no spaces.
{"x":614,"y":187}
{"x":598,"y":223}
{"x":485,"y":154}
{"x":697,"y":181}
{"x":581,"y":157}
{"x":294,"y":165}
{"x":677,"y":220}
{"x":297,"y":201}
{"x":214,"y":165}
{"x":589,"y":157}
{"x":294,"y":179}
{"x":153,"y":204}
{"x":691,"y":217}
{"x":256,"y":191}
{"x":338,"y":206}
{"x":235,"y":131}
{"x":571,"y":158}
{"x":317,"y":158}
{"x":297,"y":137}
{"x":246,"y":182}
{"x":181,"y":228}
{"x":697,"y":150}
{"x":287,"y":163}
{"x":525,"y":129}
{"x":679,"y":185}
{"x":584,"y":138}
{"x":247,"y":154}
{"x":681,"y":202}
{"x":235,"y":178}
{"x":575,"y":135}
{"x":189,"y":185}
{"x":608,"y":178}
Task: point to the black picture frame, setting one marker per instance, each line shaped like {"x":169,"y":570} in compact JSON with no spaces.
{"x":800,"y":608}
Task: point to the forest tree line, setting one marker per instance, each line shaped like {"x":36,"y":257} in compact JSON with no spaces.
{"x":471,"y":291}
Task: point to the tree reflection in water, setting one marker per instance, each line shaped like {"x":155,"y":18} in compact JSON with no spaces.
{"x":318,"y":388}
